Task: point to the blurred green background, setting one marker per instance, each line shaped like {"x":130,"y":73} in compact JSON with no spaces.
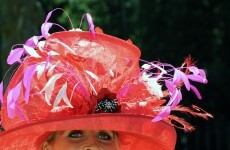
{"x":166,"y":30}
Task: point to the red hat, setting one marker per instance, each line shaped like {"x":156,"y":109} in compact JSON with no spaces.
{"x":92,"y":81}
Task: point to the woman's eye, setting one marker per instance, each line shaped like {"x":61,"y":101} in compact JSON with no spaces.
{"x":75,"y":134}
{"x":104,"y":136}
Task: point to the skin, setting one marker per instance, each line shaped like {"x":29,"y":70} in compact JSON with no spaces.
{"x":82,"y":140}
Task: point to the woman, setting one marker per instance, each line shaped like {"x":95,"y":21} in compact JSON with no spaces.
{"x":85,"y":90}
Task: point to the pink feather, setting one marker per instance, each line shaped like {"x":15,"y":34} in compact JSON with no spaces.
{"x":15,"y":56}
{"x":90,"y":22}
{"x":164,"y":113}
{"x":27,"y":79}
{"x":123,"y":91}
{"x":194,"y":89}
{"x":10,"y":104}
{"x":45,"y":29}
{"x":1,"y":92}
{"x":33,"y":41}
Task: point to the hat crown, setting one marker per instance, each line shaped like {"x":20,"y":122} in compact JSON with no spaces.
{"x":77,"y":64}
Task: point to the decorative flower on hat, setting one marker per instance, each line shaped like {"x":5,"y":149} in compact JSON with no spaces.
{"x":73,"y":73}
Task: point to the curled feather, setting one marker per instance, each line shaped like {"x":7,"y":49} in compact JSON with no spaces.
{"x":31,"y":51}
{"x":62,"y":95}
{"x":51,"y":81}
{"x":49,"y":87}
{"x":92,"y":75}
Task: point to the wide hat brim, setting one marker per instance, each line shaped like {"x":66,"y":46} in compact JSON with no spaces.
{"x":134,"y":131}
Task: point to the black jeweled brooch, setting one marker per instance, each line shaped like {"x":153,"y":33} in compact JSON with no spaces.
{"x":108,"y":106}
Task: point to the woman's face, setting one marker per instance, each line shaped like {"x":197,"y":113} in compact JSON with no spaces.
{"x":84,"y":140}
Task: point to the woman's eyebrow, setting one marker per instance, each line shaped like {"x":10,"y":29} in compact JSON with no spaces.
{"x":112,"y":133}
